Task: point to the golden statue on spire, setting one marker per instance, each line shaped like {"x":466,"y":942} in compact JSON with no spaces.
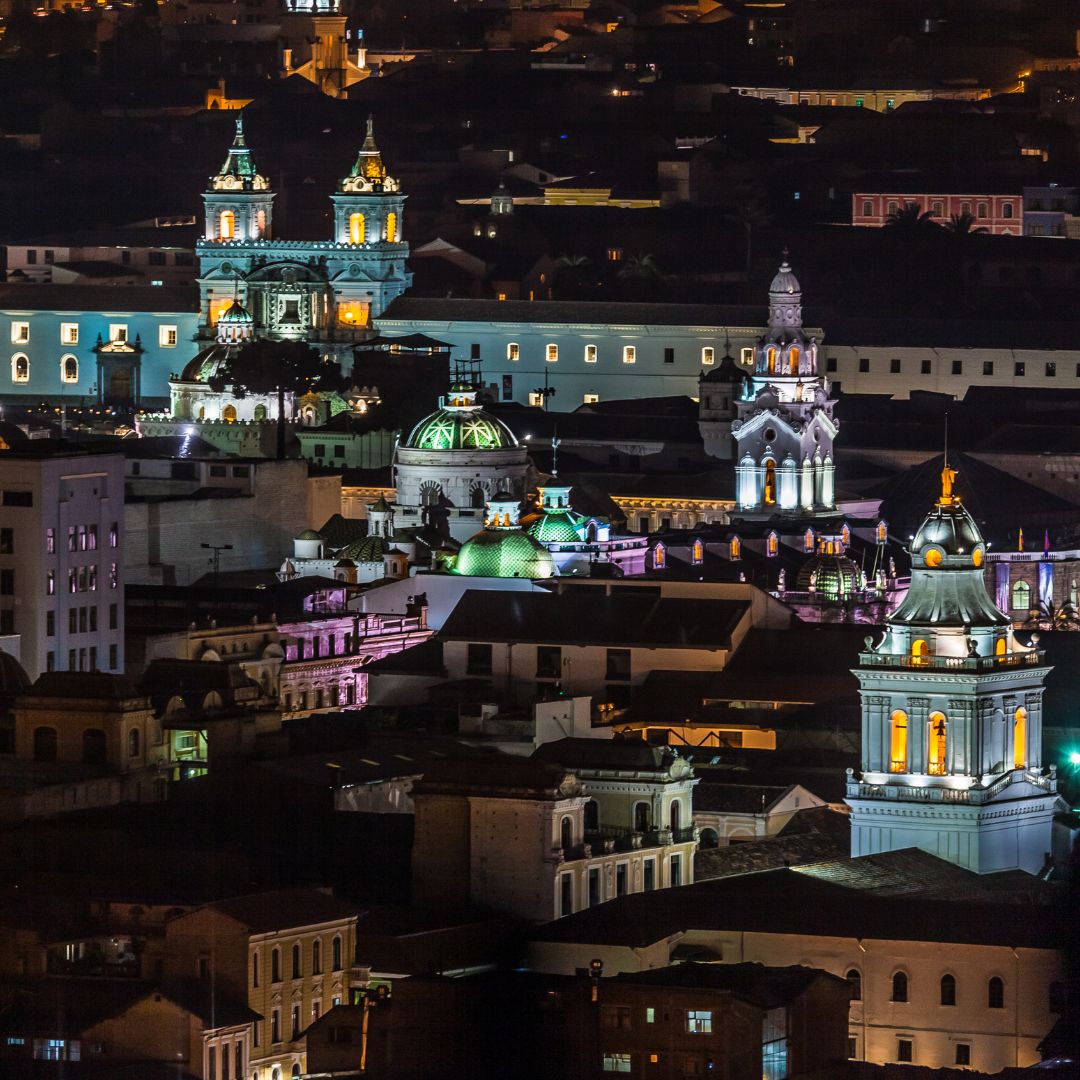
{"x":948,"y":478}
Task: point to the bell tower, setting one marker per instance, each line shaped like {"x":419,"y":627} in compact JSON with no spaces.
{"x":785,"y":427}
{"x":238,"y":202}
{"x":952,"y":716}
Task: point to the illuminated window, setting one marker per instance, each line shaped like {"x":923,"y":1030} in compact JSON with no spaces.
{"x":536,"y":399}
{"x":698,"y":551}
{"x":513,"y":351}
{"x":590,"y":354}
{"x":356,"y":228}
{"x":793,"y":359}
{"x":590,"y":397}
{"x":118,"y":332}
{"x":69,"y":369}
{"x":882,"y":532}
{"x":747,"y":356}
{"x":260,"y":223}
{"x":735,"y":548}
{"x":707,"y":355}
{"x":167,"y":337}
{"x":20,"y":368}
{"x":898,"y":741}
{"x":932,"y":558}
{"x":659,"y":557}
{"x":936,"y":736}
{"x":69,"y":333}
{"x":20,"y":333}
{"x":1021,"y":596}
{"x":920,"y":653}
{"x":770,"y":360}
{"x":699,"y":1021}
{"x":552,"y":353}
{"x":772,"y":545}
{"x":500,"y":296}
{"x":1020,"y":737}
{"x":629,"y":354}
{"x":391,"y":227}
{"x":616,"y":1063}
{"x":808,"y":540}
{"x":769,"y":491}
{"x":226,"y":225}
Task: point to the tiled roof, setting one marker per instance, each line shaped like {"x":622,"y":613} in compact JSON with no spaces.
{"x":284,"y":909}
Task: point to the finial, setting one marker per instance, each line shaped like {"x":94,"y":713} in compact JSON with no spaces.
{"x":785,"y":255}
{"x":239,"y":140}
{"x":948,"y":478}
{"x":555,"y":441}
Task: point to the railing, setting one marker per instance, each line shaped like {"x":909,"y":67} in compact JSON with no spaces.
{"x":973,"y":796}
{"x":952,"y":663}
{"x":608,"y":839}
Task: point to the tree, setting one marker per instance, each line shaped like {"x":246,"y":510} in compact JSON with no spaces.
{"x":961,"y":225}
{"x":1051,"y":616}
{"x":751,"y":212}
{"x":262,"y":366}
{"x":574,"y":273}
{"x":911,"y":220}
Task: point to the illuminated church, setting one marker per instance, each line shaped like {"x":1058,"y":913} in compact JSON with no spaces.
{"x":952,"y":716}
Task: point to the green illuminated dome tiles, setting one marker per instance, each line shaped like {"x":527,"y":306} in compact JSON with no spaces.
{"x":504,"y":553}
{"x":834,"y":577}
{"x":235,"y":313}
{"x":467,"y":430}
{"x":556,"y":527}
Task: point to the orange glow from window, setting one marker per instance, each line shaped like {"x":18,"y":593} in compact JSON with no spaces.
{"x":391,"y":227}
{"x":936,"y":745}
{"x":226,"y":225}
{"x":356,"y":228}
{"x":898,"y":742}
{"x":353,"y":313}
{"x":1020,"y":738}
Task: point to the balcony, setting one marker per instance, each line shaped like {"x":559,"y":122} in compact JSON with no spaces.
{"x":931,"y":793}
{"x":973,"y":664}
{"x":613,"y":839}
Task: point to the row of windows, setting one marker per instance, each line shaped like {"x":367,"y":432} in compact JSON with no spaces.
{"x":237,"y":1073}
{"x":322,"y":698}
{"x":957,"y":367}
{"x":358,"y":228}
{"x":84,"y":659}
{"x":947,"y":990}
{"x":937,"y":736}
{"x":82,"y":579}
{"x":168,"y":336}
{"x":937,"y":208}
{"x":549,"y":661}
{"x":591,"y":354}
{"x":297,"y":958}
{"x":153,"y":258}
{"x":80,"y":538}
{"x":81,"y":620}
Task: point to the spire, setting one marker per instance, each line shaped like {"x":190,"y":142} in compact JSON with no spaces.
{"x":369,"y":163}
{"x":239,"y":169}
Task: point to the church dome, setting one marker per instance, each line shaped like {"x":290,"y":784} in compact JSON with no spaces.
{"x":833,"y":577}
{"x":952,"y":532}
{"x":505,"y":553}
{"x":556,"y":527}
{"x":785,"y":280}
{"x":236,"y":313}
{"x":453,"y":429}
{"x":367,"y":549}
{"x":309,"y":534}
{"x":13,"y":679}
{"x":213,"y":360}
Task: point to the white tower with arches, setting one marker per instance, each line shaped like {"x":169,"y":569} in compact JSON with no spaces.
{"x":785,"y":427}
{"x":238,"y":202}
{"x":952,"y":716}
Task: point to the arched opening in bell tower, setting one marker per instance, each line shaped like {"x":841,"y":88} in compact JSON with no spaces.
{"x":356,"y":228}
{"x":920,"y":653}
{"x":769,"y":492}
{"x":391,"y":227}
{"x":1020,"y":738}
{"x":770,"y":360}
{"x":898,"y":741}
{"x":227,"y":225}
{"x":936,"y":746}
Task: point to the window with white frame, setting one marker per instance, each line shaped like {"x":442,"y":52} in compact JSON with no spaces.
{"x":20,"y":333}
{"x":707,"y":356}
{"x":167,"y":336}
{"x":590,"y":397}
{"x":699,"y":1021}
{"x":590,"y":354}
{"x":20,"y":368}
{"x":629,"y":354}
{"x":69,"y":369}
{"x":513,"y":351}
{"x":536,"y":400}
{"x":617,"y":1063}
{"x":69,"y":333}
{"x":118,"y":332}
{"x":747,"y":356}
{"x":552,"y":353}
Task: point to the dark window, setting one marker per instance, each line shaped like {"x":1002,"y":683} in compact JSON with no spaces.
{"x":590,"y":816}
{"x":924,"y":367}
{"x":958,"y":367}
{"x":903,"y":1050}
{"x":894,"y":366}
{"x":125,"y":258}
{"x":948,"y":990}
{"x":852,"y":1047}
{"x":594,"y":886}
{"x":275,"y":966}
{"x":319,"y":449}
{"x":1051,"y":369}
{"x":335,"y":954}
{"x":854,"y":978}
{"x":1018,"y":368}
{"x":183,"y":470}
{"x":114,"y":654}
{"x":995,"y":994}
{"x":899,"y":987}
{"x":548,"y":661}
{"x":963,"y":1054}
{"x":183,"y":258}
{"x":864,"y":364}
{"x":7,"y":621}
{"x":339,"y":450}
{"x":275,"y":1026}
{"x":295,"y":1022}
{"x":478,"y":660}
{"x":31,"y":257}
{"x":241,"y":471}
{"x":474,"y":351}
{"x":93,"y":747}
{"x":291,"y":314}
{"x":50,"y":624}
{"x":618,"y":664}
{"x":650,"y":875}
{"x":297,"y":962}
{"x":218,"y":470}
{"x":566,"y":894}
{"x":620,"y":880}
{"x":676,"y":871}
{"x":669,"y":356}
{"x":7,"y":582}
{"x":988,"y":367}
{"x":156,"y":258}
{"x":44,"y":744}
{"x":7,"y":541}
{"x":17,"y":498}
{"x":316,"y":957}
{"x":830,"y":363}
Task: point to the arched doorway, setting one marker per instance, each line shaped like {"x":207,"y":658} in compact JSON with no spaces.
{"x":920,"y":653}
{"x":709,"y":838}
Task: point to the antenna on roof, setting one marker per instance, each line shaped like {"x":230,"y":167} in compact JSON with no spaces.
{"x":555,"y":440}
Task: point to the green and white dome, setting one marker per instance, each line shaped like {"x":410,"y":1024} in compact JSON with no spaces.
{"x":460,"y":424}
{"x":506,"y":553}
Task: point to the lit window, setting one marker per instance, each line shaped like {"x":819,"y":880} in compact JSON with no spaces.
{"x":735,"y":548}
{"x":808,"y":540}
{"x":937,"y":741}
{"x":391,"y":227}
{"x":590,"y":397}
{"x":118,"y":332}
{"x":513,"y":351}
{"x":707,"y":356}
{"x":898,"y":743}
{"x":20,"y":368}
{"x":69,"y":369}
{"x":650,"y":1015}
{"x":617,"y":1063}
{"x":773,"y":545}
{"x":590,"y":354}
{"x":536,"y":399}
{"x":69,"y":333}
{"x":552,"y":353}
{"x":20,"y":333}
{"x":226,"y":225}
{"x":629,"y":354}
{"x":697,"y":552}
{"x":747,"y":356}
{"x":699,"y":1021}
{"x":659,"y":557}
{"x":167,"y":337}
{"x":356,"y":228}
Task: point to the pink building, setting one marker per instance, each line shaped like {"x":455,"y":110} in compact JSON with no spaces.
{"x":1001,"y":215}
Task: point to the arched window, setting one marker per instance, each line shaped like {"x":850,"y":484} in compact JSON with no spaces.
{"x":592,"y":815}
{"x":770,"y":360}
{"x":995,"y":994}
{"x":659,"y":559}
{"x":391,"y":227}
{"x":1007,"y":210}
{"x":226,"y":225}
{"x":566,"y":833}
{"x":898,"y":742}
{"x":854,"y":978}
{"x":335,"y":953}
{"x":920,"y":653}
{"x":882,"y":532}
{"x":1000,"y":647}
{"x":20,"y":368}
{"x":275,"y":965}
{"x":899,"y":987}
{"x":769,"y":493}
{"x":698,"y":551}
{"x":93,"y":746}
{"x":133,"y":742}
{"x":228,"y":414}
{"x":845,"y":534}
{"x":772,"y":545}
{"x":735,"y":549}
{"x":1021,"y":596}
{"x":356,"y":228}
{"x":793,"y":358}
{"x":295,"y":1072}
{"x":316,"y":957}
{"x":808,"y":541}
{"x":260,"y":223}
{"x":1020,"y":738}
{"x":69,"y":369}
{"x":260,"y":412}
{"x":948,"y":990}
{"x":676,"y":815}
{"x":642,"y":817}
{"x":936,"y":744}
{"x":297,"y":961}
{"x":45,"y":744}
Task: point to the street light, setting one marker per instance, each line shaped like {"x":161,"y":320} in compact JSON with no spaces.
{"x":217,"y":549}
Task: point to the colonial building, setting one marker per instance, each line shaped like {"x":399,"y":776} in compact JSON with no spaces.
{"x":952,"y":716}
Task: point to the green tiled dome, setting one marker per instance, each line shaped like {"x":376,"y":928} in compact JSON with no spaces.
{"x":556,"y":527}
{"x":369,"y":549}
{"x":451,"y":429}
{"x":834,"y":577}
{"x":504,"y":553}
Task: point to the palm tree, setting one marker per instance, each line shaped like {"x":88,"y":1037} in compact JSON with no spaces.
{"x":573,"y":271}
{"x":1051,"y":616}
{"x":961,"y":225}
{"x":910,"y":219}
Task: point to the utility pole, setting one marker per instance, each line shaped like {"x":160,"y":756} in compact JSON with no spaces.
{"x":217,"y":549}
